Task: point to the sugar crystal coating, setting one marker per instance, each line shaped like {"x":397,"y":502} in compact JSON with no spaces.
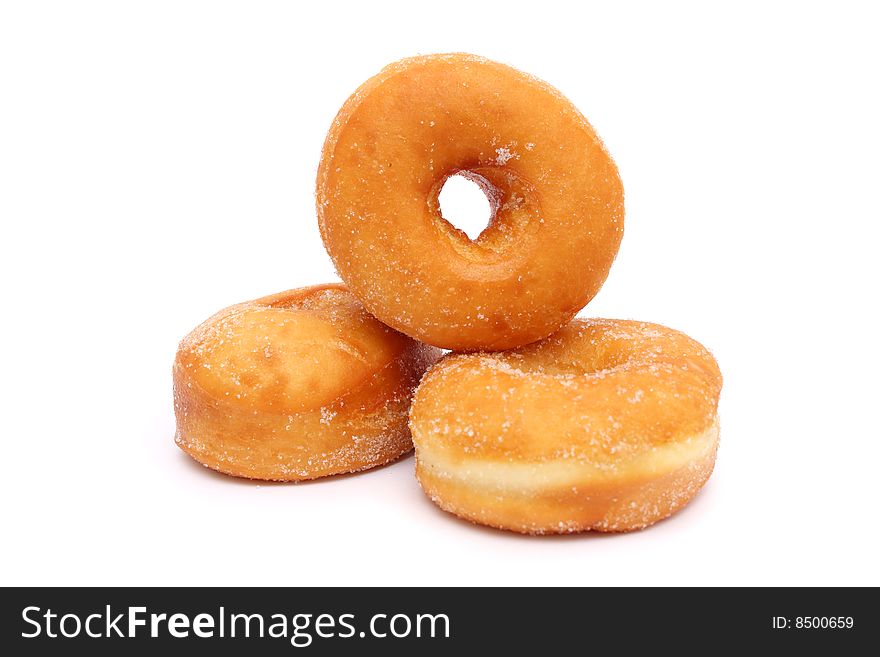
{"x":295,"y":386}
{"x":556,"y":195}
{"x":607,"y":425}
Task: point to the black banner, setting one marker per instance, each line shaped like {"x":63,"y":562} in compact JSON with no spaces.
{"x":431,"y":621}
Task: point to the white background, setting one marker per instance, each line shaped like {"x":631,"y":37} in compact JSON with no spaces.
{"x":157,"y":163}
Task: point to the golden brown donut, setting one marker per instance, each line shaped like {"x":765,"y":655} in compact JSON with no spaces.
{"x":556,"y":193}
{"x":607,"y":425}
{"x":296,"y":385}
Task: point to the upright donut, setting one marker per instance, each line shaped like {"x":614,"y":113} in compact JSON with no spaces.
{"x":556,"y":193}
{"x":296,"y":385}
{"x":606,"y":425}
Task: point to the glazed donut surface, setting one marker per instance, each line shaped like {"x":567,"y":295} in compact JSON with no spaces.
{"x":296,"y":385}
{"x":607,"y":425}
{"x":556,"y":194}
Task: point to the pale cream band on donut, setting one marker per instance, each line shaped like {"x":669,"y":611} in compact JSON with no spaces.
{"x":536,"y":477}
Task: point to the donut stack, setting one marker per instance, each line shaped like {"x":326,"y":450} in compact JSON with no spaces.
{"x":534,"y":421}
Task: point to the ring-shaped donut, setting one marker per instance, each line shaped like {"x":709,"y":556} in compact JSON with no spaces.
{"x":557,"y":199}
{"x":607,"y":425}
{"x":296,"y":385}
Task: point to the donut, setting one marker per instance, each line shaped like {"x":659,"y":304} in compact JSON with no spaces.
{"x":296,"y":385}
{"x":607,"y":425}
{"x":557,"y":201}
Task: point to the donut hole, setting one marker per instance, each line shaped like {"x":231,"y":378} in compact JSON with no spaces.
{"x":466,"y":204}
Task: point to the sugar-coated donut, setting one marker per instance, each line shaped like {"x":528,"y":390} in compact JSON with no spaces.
{"x":556,"y":193}
{"x":296,"y":385}
{"x":607,"y":425}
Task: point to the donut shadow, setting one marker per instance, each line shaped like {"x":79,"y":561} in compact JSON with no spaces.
{"x":497,"y":532}
{"x":446,"y":516}
{"x":239,"y":480}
